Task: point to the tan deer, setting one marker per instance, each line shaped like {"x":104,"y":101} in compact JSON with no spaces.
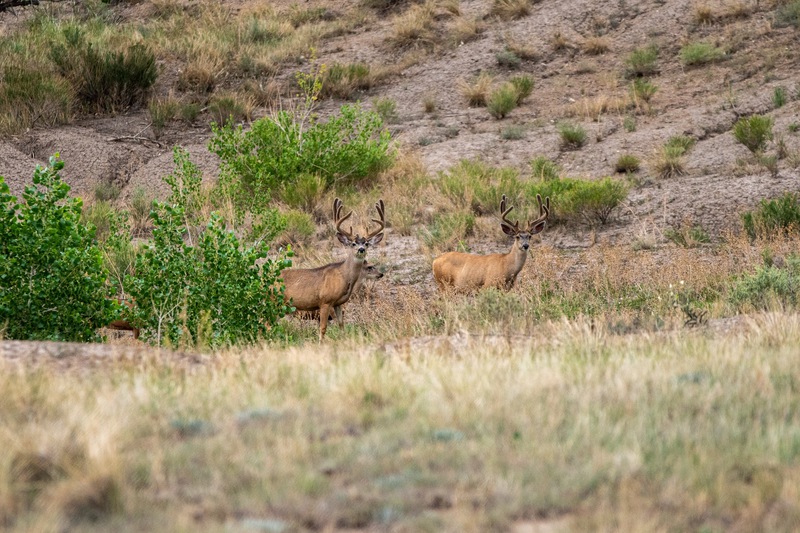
{"x":368,"y":271}
{"x":329,"y":287}
{"x":467,"y":272}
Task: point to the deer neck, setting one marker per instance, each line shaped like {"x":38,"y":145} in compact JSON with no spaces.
{"x":515,"y":259}
{"x":352,"y":268}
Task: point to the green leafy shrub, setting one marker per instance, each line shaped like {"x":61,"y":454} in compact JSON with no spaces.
{"x":753,"y":131}
{"x":53,"y":281}
{"x":771,"y":217}
{"x":573,"y":136}
{"x":203,"y":291}
{"x":694,"y":54}
{"x":642,"y":62}
{"x":581,"y":201}
{"x":767,"y":287}
{"x":347,"y":149}
{"x":502,"y":101}
{"x":627,"y":163}
{"x":105,"y":80}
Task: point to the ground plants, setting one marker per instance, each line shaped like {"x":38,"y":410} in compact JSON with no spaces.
{"x":573,"y":136}
{"x":53,"y":281}
{"x":502,"y":101}
{"x":642,"y":62}
{"x":773,"y":217}
{"x":753,"y":132}
{"x":202,"y":288}
{"x":700,"y":53}
{"x":769,"y":287}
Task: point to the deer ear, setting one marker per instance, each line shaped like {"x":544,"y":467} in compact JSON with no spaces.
{"x":538,"y":228}
{"x":376,"y":239}
{"x":343,"y":239}
{"x":508,"y":230}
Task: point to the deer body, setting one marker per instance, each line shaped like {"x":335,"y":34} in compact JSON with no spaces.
{"x":367,"y":272}
{"x":468,"y":272}
{"x":329,"y":287}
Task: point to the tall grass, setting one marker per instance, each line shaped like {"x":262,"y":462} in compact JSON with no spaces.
{"x":574,"y":426}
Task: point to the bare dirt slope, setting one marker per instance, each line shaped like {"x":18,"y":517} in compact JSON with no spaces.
{"x":703,"y":102}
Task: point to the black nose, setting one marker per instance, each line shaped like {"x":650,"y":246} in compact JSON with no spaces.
{"x":525,"y":246}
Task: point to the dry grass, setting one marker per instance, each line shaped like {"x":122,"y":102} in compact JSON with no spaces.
{"x":511,"y":9}
{"x":596,"y":45}
{"x":595,"y":107}
{"x":461,"y":432}
{"x":414,"y":27}
{"x":477,"y":92}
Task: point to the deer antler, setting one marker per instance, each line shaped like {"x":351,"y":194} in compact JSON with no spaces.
{"x":382,"y":222}
{"x":544,"y":211}
{"x":338,"y":219}
{"x":504,"y":212}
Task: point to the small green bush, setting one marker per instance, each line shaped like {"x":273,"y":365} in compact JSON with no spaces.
{"x":581,"y":201}
{"x":386,"y":108}
{"x":771,"y":217}
{"x":53,"y":281}
{"x":767,"y":287}
{"x":778,"y":97}
{"x":108,"y":81}
{"x":346,"y":150}
{"x":305,"y":192}
{"x":629,"y":123}
{"x":669,"y":161}
{"x":627,"y":163}
{"x":544,"y":169}
{"x":508,"y":59}
{"x":681,"y":142}
{"x":573,"y":136}
{"x":642,"y":90}
{"x":502,"y":101}
{"x":694,"y":54}
{"x":523,"y":86}
{"x":448,"y":230}
{"x":642,"y":62}
{"x":753,"y":131}
{"x":513,"y":133}
{"x":788,"y":14}
{"x":208,"y":291}
{"x":340,"y":81}
{"x":300,"y":228}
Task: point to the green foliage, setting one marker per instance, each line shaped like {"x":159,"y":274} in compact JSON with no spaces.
{"x":227,"y":108}
{"x":141,"y":203}
{"x":627,"y":163}
{"x":788,"y":14}
{"x":105,"y":80}
{"x":544,"y":169}
{"x":52,"y":281}
{"x":771,"y":217}
{"x":513,"y":133}
{"x":347,"y":149}
{"x":573,"y":136}
{"x":767,"y":287}
{"x":208,"y":291}
{"x":669,"y":161}
{"x":629,"y":123}
{"x":753,"y":131}
{"x":304,"y":193}
{"x":694,"y":54}
{"x":448,"y":230}
{"x":28,"y":97}
{"x":778,"y":97}
{"x":386,"y":108}
{"x":681,"y":143}
{"x":642,"y":62}
{"x":523,"y":86}
{"x":340,"y":81}
{"x":300,"y":228}
{"x":508,"y":59}
{"x":100,"y":215}
{"x":502,"y":101}
{"x":581,"y":201}
{"x":688,"y":236}
{"x":642,"y":90}
{"x":478,"y":188}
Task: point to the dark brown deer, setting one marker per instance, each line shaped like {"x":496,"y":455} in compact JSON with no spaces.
{"x":467,"y":272}
{"x":329,"y":287}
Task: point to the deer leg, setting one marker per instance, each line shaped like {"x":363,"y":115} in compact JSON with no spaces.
{"x":324,"y":311}
{"x":339,"y":316}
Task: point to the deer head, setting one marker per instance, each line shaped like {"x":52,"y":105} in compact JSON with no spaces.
{"x":522,"y":236}
{"x":356,"y":242}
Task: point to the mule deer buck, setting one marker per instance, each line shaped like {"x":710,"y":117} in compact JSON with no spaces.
{"x":368,"y":271}
{"x":466,"y":272}
{"x":329,"y":287}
